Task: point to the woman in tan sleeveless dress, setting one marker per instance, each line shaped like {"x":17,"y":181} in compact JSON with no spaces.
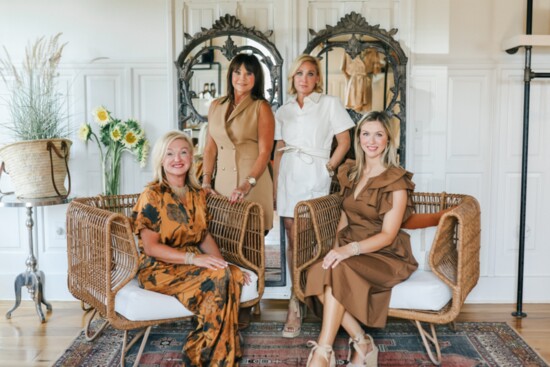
{"x":240,"y":138}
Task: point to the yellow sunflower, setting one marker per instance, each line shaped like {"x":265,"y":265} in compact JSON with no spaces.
{"x":101,"y":115}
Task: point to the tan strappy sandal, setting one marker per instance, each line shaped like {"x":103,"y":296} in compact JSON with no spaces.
{"x":325,"y":350}
{"x":293,"y":331}
{"x":369,"y":359}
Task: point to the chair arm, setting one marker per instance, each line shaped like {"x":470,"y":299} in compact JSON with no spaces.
{"x":238,"y":229}
{"x":102,"y":255}
{"x":315,"y":223}
{"x":454,"y":256}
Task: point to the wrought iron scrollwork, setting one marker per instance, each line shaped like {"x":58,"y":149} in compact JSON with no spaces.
{"x":227,"y":26}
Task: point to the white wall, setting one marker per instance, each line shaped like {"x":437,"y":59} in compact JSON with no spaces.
{"x":464,"y":106}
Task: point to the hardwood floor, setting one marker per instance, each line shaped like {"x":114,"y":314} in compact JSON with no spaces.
{"x":24,"y":341}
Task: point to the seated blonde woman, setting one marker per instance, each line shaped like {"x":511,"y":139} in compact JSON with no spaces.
{"x":180,"y":258}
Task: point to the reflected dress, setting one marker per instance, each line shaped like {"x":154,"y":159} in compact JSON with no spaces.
{"x":212,"y":295}
{"x":363,"y":283}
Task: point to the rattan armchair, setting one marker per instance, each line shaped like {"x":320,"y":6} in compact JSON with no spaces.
{"x":103,"y":256}
{"x":453,"y":258}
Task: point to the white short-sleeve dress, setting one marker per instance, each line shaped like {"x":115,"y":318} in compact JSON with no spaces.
{"x":308,"y":133}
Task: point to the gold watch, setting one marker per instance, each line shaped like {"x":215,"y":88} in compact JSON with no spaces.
{"x":251,"y":180}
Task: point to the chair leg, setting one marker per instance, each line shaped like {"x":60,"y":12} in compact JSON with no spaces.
{"x":431,"y":337}
{"x":256,"y":311}
{"x":85,"y":307}
{"x":87,"y":333}
{"x":126,"y":346}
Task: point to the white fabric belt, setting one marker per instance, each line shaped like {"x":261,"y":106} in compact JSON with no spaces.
{"x":306,"y":154}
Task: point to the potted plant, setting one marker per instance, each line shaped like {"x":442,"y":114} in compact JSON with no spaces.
{"x":37,"y":162}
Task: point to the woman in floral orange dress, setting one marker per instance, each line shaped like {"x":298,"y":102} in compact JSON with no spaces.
{"x":180,"y":258}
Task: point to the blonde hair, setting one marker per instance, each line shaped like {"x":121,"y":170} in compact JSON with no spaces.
{"x":159,"y":152}
{"x":389,"y":156}
{"x":294,"y":69}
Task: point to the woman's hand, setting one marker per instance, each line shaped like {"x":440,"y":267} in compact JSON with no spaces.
{"x":246,"y":278}
{"x":209,"y":262}
{"x":337,"y":255}
{"x":240,"y":192}
{"x":209,"y":190}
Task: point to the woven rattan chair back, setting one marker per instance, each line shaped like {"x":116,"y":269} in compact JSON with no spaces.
{"x":454,"y":255}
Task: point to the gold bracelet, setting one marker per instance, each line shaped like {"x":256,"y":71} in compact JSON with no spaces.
{"x":206,"y":174}
{"x":206,"y":186}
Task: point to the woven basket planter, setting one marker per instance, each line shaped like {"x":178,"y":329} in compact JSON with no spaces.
{"x":37,"y":168}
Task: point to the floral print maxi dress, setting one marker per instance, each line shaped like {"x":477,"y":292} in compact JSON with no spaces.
{"x":212,"y":295}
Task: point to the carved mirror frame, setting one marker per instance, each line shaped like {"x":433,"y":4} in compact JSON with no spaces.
{"x":226,"y":26}
{"x":201,"y":43}
{"x":362,"y":36}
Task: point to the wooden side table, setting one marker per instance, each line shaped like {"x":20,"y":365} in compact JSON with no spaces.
{"x":32,"y":278}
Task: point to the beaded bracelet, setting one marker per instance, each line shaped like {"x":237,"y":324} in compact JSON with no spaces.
{"x":355,"y":248}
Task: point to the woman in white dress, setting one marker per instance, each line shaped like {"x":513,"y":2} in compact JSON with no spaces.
{"x":305,"y":127}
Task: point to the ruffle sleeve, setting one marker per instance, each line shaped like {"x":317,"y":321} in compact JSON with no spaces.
{"x":343,"y":175}
{"x":394,"y":179}
{"x":145,"y":213}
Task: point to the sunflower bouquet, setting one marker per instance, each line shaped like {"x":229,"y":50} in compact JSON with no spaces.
{"x":116,"y":136}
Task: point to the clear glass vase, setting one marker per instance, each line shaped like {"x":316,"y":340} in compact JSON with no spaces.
{"x":111,"y":173}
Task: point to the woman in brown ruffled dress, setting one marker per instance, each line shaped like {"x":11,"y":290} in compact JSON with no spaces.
{"x":352,"y":284}
{"x":180,"y":258}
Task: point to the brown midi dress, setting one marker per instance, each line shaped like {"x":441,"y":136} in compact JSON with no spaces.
{"x":363,"y":283}
{"x":212,"y":295}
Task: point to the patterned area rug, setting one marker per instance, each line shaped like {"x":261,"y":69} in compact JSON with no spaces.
{"x":472,"y":344}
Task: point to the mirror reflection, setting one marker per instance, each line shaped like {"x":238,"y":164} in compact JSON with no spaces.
{"x":203,"y":64}
{"x":364,"y":66}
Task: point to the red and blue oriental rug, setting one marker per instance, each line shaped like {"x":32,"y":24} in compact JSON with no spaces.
{"x":471,"y":344}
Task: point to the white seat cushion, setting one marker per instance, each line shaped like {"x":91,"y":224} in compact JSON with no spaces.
{"x":422,"y":291}
{"x":138,"y":304}
{"x":421,"y":243}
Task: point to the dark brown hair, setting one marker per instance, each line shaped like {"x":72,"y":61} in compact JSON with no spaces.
{"x":252,"y":65}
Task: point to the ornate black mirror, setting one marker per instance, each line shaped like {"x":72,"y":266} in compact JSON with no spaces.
{"x":202,"y":66}
{"x":202,"y":70}
{"x":366,"y":67}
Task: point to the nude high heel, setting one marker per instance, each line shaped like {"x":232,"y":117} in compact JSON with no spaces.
{"x":325,"y":350}
{"x":369,"y":359}
{"x":295,"y":307}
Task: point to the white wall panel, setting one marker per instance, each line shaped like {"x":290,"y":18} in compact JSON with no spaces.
{"x":199,"y":15}
{"x":256,"y":14}
{"x":507,"y":204}
{"x":427,"y":125}
{"x":321,"y":14}
{"x":150,"y":108}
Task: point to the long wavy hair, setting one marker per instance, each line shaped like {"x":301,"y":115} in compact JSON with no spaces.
{"x":252,"y":65}
{"x":159,"y":152}
{"x":389,"y":156}
{"x":294,"y":69}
